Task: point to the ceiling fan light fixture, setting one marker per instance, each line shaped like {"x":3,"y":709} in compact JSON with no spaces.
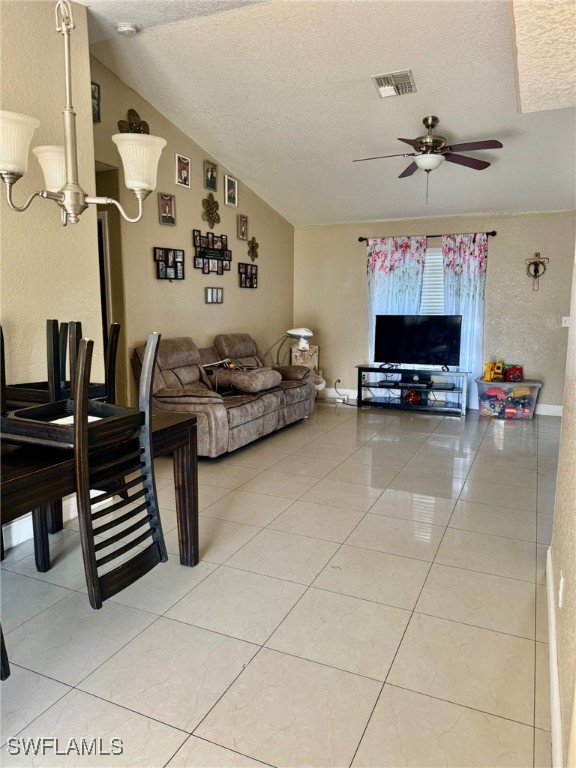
{"x":429,"y":162}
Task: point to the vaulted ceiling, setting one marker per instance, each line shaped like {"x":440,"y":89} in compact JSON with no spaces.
{"x":280,"y":92}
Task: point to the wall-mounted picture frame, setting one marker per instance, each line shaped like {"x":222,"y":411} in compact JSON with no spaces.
{"x":206,"y":267}
{"x":182,"y":170}
{"x":196,"y":238}
{"x":169,"y":263}
{"x":242,"y":227}
{"x":214,"y":295}
{"x":210,"y":175}
{"x":218,"y":242}
{"x":248,"y":275}
{"x":226,"y":266}
{"x":230,"y":191}
{"x":166,"y":208}
{"x":96,"y":116}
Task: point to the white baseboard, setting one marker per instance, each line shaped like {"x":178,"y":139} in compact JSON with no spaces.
{"x":548,"y":410}
{"x":21,"y":529}
{"x":330,"y":394}
{"x":555,"y":712}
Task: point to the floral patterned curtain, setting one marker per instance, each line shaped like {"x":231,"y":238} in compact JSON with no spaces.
{"x":465,"y":261}
{"x":395,"y":269}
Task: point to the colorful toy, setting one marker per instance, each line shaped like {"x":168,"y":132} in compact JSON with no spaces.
{"x":498,"y":374}
{"x":514,"y":373}
{"x":494,"y":372}
{"x":412,"y":397}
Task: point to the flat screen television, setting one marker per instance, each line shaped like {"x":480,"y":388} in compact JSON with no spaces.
{"x":418,"y":339}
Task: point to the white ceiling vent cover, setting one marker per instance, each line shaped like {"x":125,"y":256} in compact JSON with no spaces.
{"x":395,"y":83}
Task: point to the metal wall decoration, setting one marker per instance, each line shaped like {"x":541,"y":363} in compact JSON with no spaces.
{"x":210,"y":214}
{"x":211,"y":252}
{"x":247,"y":275}
{"x":133,"y":124}
{"x":535,"y":268}
{"x":169,"y":263}
{"x":253,"y":248}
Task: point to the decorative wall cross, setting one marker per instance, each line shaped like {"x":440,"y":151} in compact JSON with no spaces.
{"x":536,"y":266}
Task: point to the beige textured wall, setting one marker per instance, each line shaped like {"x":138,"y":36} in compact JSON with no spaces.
{"x":564,"y":547}
{"x":178,"y":308}
{"x":521,"y":325}
{"x":47,"y":271}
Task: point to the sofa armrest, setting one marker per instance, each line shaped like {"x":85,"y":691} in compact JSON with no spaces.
{"x":198,"y":394}
{"x":293,"y":372}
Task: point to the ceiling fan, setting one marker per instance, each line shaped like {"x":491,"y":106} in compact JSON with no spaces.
{"x":432,"y":150}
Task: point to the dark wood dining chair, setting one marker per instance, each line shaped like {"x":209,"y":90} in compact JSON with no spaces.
{"x":4,"y":663}
{"x":128,"y":533}
{"x":108,"y":389}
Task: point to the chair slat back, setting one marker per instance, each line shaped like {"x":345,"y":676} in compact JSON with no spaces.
{"x":124,"y":540}
{"x":53,"y":361}
{"x":3,"y":396}
{"x":110,"y":362}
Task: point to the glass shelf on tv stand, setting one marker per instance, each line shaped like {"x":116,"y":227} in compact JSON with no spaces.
{"x":426,"y":382}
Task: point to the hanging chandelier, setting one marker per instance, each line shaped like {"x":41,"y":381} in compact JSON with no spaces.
{"x":140,"y":153}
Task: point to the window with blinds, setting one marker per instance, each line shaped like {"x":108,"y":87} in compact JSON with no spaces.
{"x":432,"y":297}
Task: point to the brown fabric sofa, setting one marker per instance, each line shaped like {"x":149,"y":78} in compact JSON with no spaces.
{"x":233,"y":406}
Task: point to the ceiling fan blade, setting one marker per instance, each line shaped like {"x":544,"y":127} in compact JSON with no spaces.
{"x":413,"y":142}
{"x":382,"y":157}
{"x":469,"y":162}
{"x":412,"y":168}
{"x":472,"y":145}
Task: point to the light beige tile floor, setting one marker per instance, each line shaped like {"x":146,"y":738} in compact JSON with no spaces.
{"x":370,"y":593}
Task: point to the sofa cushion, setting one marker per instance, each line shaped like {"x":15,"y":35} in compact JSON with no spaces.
{"x":240,"y":347}
{"x":243,"y":408}
{"x":251,"y":382}
{"x":293,"y":372}
{"x":296,"y":391}
{"x":178,"y":361}
{"x":192,"y":393}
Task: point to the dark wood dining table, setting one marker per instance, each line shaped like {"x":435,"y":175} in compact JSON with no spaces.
{"x":32,"y":477}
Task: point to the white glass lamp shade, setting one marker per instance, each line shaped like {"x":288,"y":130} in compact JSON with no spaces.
{"x":16,"y":132}
{"x":140,"y":155}
{"x":302,"y":334}
{"x":429,"y":162}
{"x":53,"y":166}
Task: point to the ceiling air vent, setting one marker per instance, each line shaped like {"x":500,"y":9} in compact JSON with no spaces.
{"x":395,"y":83}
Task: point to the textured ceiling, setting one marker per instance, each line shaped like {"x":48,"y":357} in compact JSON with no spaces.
{"x":545,"y":34}
{"x":280,"y":92}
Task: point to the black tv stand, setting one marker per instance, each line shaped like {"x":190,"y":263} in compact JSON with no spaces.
{"x":392,"y":385}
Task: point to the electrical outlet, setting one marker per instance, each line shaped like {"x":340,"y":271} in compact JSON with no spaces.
{"x":566,"y":322}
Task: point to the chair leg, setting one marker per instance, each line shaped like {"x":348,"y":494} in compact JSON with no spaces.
{"x":41,"y":544}
{"x":55,"y":518}
{"x":4,"y":664}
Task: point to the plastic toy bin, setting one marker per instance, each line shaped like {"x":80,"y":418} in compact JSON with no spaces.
{"x":508,"y":399}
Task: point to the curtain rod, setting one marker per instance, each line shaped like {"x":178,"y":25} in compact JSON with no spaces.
{"x":490,"y":234}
